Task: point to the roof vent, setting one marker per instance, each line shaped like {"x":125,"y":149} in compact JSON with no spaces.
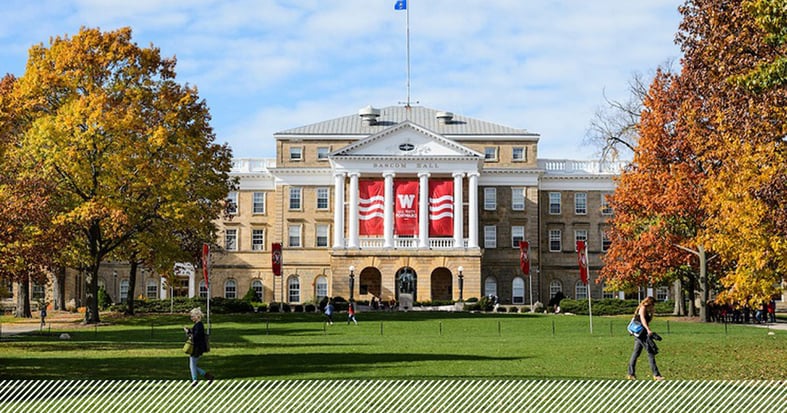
{"x":369,"y":115}
{"x":445,"y":117}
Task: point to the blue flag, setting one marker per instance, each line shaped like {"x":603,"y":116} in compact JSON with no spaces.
{"x":400,"y":5}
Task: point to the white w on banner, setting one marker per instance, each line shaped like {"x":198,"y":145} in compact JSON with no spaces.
{"x":406,"y":207}
{"x":441,"y":207}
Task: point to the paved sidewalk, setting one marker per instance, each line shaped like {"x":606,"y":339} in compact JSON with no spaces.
{"x":56,"y":320}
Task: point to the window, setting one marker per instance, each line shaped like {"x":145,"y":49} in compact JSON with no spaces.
{"x":555,"y":287}
{"x":490,"y":236}
{"x":322,"y":153}
{"x":490,"y":199}
{"x":9,"y":286}
{"x":231,"y":239}
{"x":295,"y":198}
{"x":581,"y":203}
{"x":230,"y":289}
{"x":296,"y":153}
{"x":605,"y":241}
{"x":256,"y":285}
{"x":606,"y":293}
{"x":517,"y":234}
{"x":490,"y":286}
{"x":581,"y":291}
{"x":294,"y":289}
{"x":581,"y":235}
{"x":321,"y":235}
{"x":606,"y":208}
{"x":203,"y":289}
{"x":555,"y":244}
{"x":518,"y":199}
{"x":294,"y":236}
{"x":123,"y":291}
{"x":554,"y":203}
{"x":323,"y":200}
{"x":662,"y":293}
{"x":257,"y":239}
{"x":258,"y":203}
{"x":518,"y":291}
{"x":232,"y":203}
{"x":519,"y":154}
{"x":151,"y":290}
{"x":321,"y":287}
{"x":490,"y":153}
{"x":38,"y":292}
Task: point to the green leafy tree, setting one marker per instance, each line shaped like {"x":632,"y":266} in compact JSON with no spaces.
{"x":129,"y":150}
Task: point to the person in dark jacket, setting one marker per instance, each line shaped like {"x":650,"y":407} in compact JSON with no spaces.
{"x":199,"y":339}
{"x":645,"y":339}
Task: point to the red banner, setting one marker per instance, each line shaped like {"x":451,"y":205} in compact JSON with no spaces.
{"x":406,"y":207}
{"x":583,"y":261}
{"x":205,"y":262}
{"x":276,"y":258}
{"x":441,"y":207}
{"x":524,"y":257}
{"x":371,"y":207}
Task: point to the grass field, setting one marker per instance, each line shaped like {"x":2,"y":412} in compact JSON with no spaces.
{"x":422,"y":345}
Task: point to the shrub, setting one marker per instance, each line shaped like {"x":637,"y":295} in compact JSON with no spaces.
{"x":104,"y":300}
{"x":610,"y":306}
{"x":251,"y":296}
{"x":310,"y":308}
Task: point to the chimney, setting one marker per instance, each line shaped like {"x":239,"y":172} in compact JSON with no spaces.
{"x":445,"y":117}
{"x":369,"y":115}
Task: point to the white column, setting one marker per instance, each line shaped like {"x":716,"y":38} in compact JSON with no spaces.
{"x":423,"y":210}
{"x":388,"y":218}
{"x":458,"y":212}
{"x":352,"y":226}
{"x":338,"y":210}
{"x":472,"y":213}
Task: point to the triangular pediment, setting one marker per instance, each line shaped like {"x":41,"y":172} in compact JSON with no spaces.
{"x":406,"y":139}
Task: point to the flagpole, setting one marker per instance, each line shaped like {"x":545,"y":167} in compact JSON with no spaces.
{"x":207,"y":263}
{"x":590,"y":307}
{"x":407,"y":41}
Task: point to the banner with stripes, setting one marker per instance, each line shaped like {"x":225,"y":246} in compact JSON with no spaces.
{"x":395,"y":396}
{"x":371,"y":207}
{"x":441,"y":207}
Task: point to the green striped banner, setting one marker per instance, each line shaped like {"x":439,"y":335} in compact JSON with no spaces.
{"x":395,"y":396}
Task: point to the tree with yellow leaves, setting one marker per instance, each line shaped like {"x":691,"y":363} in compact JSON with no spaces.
{"x":129,"y":150}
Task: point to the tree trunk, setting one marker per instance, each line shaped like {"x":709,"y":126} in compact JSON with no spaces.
{"x":23,"y":300}
{"x":680,"y":307}
{"x":704,"y":293}
{"x":690,"y":294}
{"x":132,"y":281}
{"x":59,"y":289}
{"x":91,"y":295}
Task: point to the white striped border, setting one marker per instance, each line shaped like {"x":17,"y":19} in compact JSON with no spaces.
{"x":394,"y":396}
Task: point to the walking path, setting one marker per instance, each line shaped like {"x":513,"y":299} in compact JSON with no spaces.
{"x":56,"y":320}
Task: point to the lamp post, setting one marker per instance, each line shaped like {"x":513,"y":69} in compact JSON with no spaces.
{"x":352,"y":281}
{"x":461,"y":283}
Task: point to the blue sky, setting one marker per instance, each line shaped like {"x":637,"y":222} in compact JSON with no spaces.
{"x":268,"y":65}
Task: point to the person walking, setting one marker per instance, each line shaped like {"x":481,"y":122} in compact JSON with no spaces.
{"x":644,"y":340}
{"x":351,"y":313}
{"x":329,"y":311}
{"x":43,"y":314}
{"x":200,"y":341}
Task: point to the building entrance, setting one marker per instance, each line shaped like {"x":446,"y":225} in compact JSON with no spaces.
{"x":406,"y":287}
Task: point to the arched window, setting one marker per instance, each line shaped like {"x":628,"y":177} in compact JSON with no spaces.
{"x":321,"y":287}
{"x":518,"y":291}
{"x":256,"y":285}
{"x":123,"y":291}
{"x":294,"y":289}
{"x":555,"y":286}
{"x":490,"y":286}
{"x":581,"y":291}
{"x":230,"y":289}
{"x":151,"y":289}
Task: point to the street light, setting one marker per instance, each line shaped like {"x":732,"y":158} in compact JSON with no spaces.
{"x":352,"y":281}
{"x":461,"y":283}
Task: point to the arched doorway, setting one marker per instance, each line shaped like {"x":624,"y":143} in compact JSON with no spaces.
{"x":370,"y":282}
{"x":406,"y":284}
{"x":442,"y":285}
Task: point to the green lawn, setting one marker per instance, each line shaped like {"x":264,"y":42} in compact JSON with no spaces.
{"x":431,"y":345}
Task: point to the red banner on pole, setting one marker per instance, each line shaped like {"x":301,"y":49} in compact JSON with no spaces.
{"x":583,"y":261}
{"x":276,"y":258}
{"x":524,"y":257}
{"x":371,"y":207}
{"x":205,"y":262}
{"x":441,"y":207}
